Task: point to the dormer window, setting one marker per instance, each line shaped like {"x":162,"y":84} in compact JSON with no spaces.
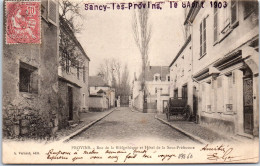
{"x":157,"y":77}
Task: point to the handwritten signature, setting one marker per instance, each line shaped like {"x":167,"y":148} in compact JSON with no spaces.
{"x":222,"y":153}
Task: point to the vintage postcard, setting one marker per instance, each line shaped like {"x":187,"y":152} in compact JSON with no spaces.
{"x":130,"y":82}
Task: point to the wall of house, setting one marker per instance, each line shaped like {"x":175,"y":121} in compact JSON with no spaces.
{"x":98,"y":103}
{"x":181,"y":74}
{"x":26,"y":114}
{"x":72,"y":77}
{"x":64,"y":104}
{"x":214,"y":109}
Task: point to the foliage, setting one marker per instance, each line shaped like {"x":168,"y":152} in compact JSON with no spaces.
{"x":110,"y":71}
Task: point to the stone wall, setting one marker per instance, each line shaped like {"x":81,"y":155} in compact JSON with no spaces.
{"x":31,"y":114}
{"x":98,"y":103}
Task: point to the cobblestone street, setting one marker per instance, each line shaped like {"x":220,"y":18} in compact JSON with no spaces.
{"x":126,"y":125}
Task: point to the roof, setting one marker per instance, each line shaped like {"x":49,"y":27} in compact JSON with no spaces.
{"x":181,"y":50}
{"x":65,"y":26}
{"x":192,"y":14}
{"x":97,"y":81}
{"x":152,"y":70}
{"x":101,"y":91}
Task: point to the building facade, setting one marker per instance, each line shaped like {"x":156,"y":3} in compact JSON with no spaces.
{"x":30,"y":81}
{"x":182,"y":84}
{"x":157,"y":89}
{"x":73,"y":77}
{"x":225,"y":66}
{"x":102,"y":96}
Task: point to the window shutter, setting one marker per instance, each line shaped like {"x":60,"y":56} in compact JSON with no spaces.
{"x":215,"y":24}
{"x":234,"y":14}
{"x":200,"y":39}
{"x":84,"y":74}
{"x":53,"y":12}
{"x":204,"y":36}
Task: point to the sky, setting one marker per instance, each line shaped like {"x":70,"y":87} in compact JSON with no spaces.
{"x":109,"y":34}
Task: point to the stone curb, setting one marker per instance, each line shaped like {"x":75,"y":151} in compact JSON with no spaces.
{"x":66,"y":139}
{"x":198,"y":139}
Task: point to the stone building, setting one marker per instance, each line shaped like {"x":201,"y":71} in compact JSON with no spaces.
{"x":30,"y":82}
{"x":157,"y":82}
{"x":225,"y":66}
{"x":73,"y":77}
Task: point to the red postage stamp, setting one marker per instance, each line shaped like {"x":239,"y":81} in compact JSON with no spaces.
{"x":23,"y":22}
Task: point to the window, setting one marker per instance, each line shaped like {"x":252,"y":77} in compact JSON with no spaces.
{"x":84,"y":74}
{"x":77,"y":69}
{"x":169,"y":78}
{"x":53,"y":12}
{"x":28,"y":79}
{"x":175,"y":93}
{"x":249,"y":7}
{"x":155,"y":90}
{"x":234,"y":12}
{"x":67,"y":63}
{"x":203,"y":38}
{"x":157,"y":77}
{"x":215,"y":25}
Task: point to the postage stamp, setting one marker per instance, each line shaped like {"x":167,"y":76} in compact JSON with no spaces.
{"x":23,"y":22}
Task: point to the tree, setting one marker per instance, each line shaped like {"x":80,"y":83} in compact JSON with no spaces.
{"x":69,"y":11}
{"x":110,"y":71}
{"x":70,"y":25}
{"x":142,"y":35}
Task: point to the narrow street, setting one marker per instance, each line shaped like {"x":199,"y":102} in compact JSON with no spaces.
{"x":125,"y":125}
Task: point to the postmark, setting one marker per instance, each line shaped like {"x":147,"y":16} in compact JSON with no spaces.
{"x":23,"y":22}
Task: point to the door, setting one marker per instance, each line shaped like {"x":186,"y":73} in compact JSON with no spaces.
{"x":165,"y":102}
{"x":70,"y":102}
{"x":248,"y":101}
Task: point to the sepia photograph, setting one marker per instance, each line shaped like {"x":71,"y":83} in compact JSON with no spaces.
{"x":130,"y":82}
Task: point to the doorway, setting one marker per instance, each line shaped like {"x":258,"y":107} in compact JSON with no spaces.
{"x":70,"y":102}
{"x":248,"y":101}
{"x":195,"y":104}
{"x":165,"y":103}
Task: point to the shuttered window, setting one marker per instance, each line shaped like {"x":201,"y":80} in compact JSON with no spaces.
{"x":204,"y":36}
{"x":250,"y":7}
{"x":215,"y":25}
{"x":203,"y":32}
{"x":84,"y":74}
{"x":52,"y":12}
{"x":200,"y":39}
{"x":234,"y":12}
